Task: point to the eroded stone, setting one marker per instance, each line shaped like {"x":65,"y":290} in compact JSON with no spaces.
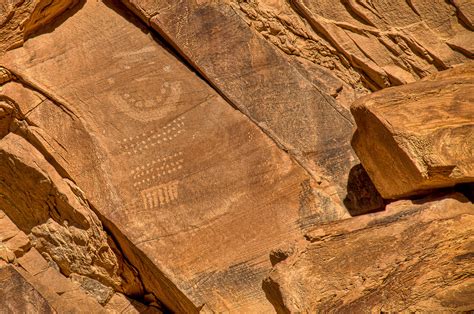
{"x":415,"y":256}
{"x":418,"y":137}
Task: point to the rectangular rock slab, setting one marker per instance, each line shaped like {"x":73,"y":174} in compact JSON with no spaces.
{"x":420,"y":136}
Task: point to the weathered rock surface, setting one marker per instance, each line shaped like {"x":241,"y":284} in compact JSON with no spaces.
{"x":60,"y":293}
{"x":195,"y":194}
{"x":129,"y":180}
{"x":414,"y":257}
{"x":17,"y":295}
{"x":29,"y":284}
{"x":327,"y":53}
{"x":418,"y":136}
{"x":59,"y":223}
{"x":119,"y":303}
{"x":367,"y":44}
{"x":19,"y":19}
{"x":258,"y":80}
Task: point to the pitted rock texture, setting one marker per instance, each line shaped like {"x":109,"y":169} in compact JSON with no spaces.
{"x":414,"y":257}
{"x":59,"y":223}
{"x":31,"y":284}
{"x":376,"y":43}
{"x":418,"y":137}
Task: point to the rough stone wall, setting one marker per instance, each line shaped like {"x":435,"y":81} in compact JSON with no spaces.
{"x":195,"y":155}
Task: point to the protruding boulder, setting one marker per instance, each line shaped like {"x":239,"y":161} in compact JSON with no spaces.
{"x":59,"y":222}
{"x":420,"y":136}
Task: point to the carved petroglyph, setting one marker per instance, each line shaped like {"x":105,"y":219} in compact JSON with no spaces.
{"x":153,"y":138}
{"x":156,"y":170}
{"x":169,"y":91}
{"x":160,"y":195}
{"x":155,"y":181}
{"x":148,"y":180}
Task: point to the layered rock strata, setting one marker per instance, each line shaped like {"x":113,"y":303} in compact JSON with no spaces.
{"x":20,"y":19}
{"x":158,"y":159}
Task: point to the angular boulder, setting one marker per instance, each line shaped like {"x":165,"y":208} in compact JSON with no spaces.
{"x":59,"y":222}
{"x":418,"y":137}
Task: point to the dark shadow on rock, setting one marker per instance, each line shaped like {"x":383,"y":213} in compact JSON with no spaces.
{"x":273,"y":295}
{"x":362,"y":196}
{"x":122,"y":10}
{"x":461,"y":192}
{"x":467,"y":189}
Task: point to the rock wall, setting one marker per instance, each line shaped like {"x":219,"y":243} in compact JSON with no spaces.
{"x":196,"y":155}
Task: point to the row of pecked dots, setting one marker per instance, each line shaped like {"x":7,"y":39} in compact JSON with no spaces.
{"x":161,"y":164}
{"x":151,"y":138}
{"x":156,"y":174}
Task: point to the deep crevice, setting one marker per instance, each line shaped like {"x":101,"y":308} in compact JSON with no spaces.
{"x":108,"y":226}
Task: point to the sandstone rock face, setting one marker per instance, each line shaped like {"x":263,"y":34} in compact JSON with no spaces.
{"x":167,"y":155}
{"x":415,"y":257}
{"x":296,"y":112}
{"x":29,"y":283}
{"x":328,"y":53}
{"x":419,"y":136}
{"x":392,"y":42}
{"x":194,"y":192}
{"x":17,"y":295}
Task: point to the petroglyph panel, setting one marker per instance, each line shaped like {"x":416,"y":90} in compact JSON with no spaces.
{"x":156,"y":170}
{"x":160,"y":195}
{"x":168,"y":91}
{"x":212,"y":208}
{"x":153,"y":138}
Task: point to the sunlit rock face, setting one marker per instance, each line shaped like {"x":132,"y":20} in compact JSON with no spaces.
{"x":209,"y":155}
